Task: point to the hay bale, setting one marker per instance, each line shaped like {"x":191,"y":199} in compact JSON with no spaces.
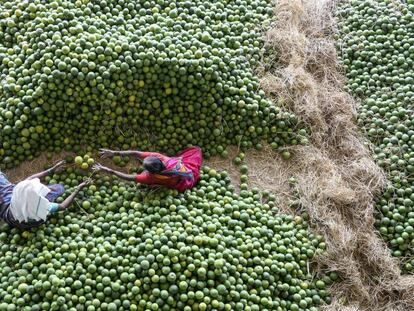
{"x":337,"y":178}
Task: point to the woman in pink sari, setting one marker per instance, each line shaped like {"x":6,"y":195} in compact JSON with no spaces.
{"x":180,"y":172}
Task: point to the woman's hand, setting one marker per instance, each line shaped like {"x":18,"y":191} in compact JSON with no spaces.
{"x":85,"y":183}
{"x":105,"y":153}
{"x":99,"y":167}
{"x":58,"y":165}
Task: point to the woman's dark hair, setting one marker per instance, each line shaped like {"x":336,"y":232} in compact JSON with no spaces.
{"x":153,"y":165}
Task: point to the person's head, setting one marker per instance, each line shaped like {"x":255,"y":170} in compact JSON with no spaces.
{"x":153,"y":165}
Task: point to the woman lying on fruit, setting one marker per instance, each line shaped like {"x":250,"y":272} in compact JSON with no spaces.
{"x":180,"y":172}
{"x":27,"y":204}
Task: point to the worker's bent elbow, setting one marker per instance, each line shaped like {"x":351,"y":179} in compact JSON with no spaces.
{"x":62,"y":207}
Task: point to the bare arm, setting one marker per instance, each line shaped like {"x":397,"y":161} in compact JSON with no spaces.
{"x":140,"y":154}
{"x":109,"y":153}
{"x":128,"y":177}
{"x":47,"y":172}
{"x":69,"y":200}
{"x":40,"y":174}
{"x":130,"y":153}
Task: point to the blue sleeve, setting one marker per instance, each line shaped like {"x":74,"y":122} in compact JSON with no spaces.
{"x":53,"y":208}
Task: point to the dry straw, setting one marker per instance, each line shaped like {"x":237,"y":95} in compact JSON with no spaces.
{"x":337,"y":178}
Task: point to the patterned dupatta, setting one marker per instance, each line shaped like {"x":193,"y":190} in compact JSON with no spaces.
{"x":178,"y":170}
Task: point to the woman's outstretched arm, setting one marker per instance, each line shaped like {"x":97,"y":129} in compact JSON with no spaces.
{"x":69,"y":200}
{"x":140,"y":154}
{"x":99,"y":167}
{"x":48,"y":171}
{"x":110,"y":153}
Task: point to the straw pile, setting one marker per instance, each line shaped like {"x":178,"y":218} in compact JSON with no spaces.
{"x":337,"y":178}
